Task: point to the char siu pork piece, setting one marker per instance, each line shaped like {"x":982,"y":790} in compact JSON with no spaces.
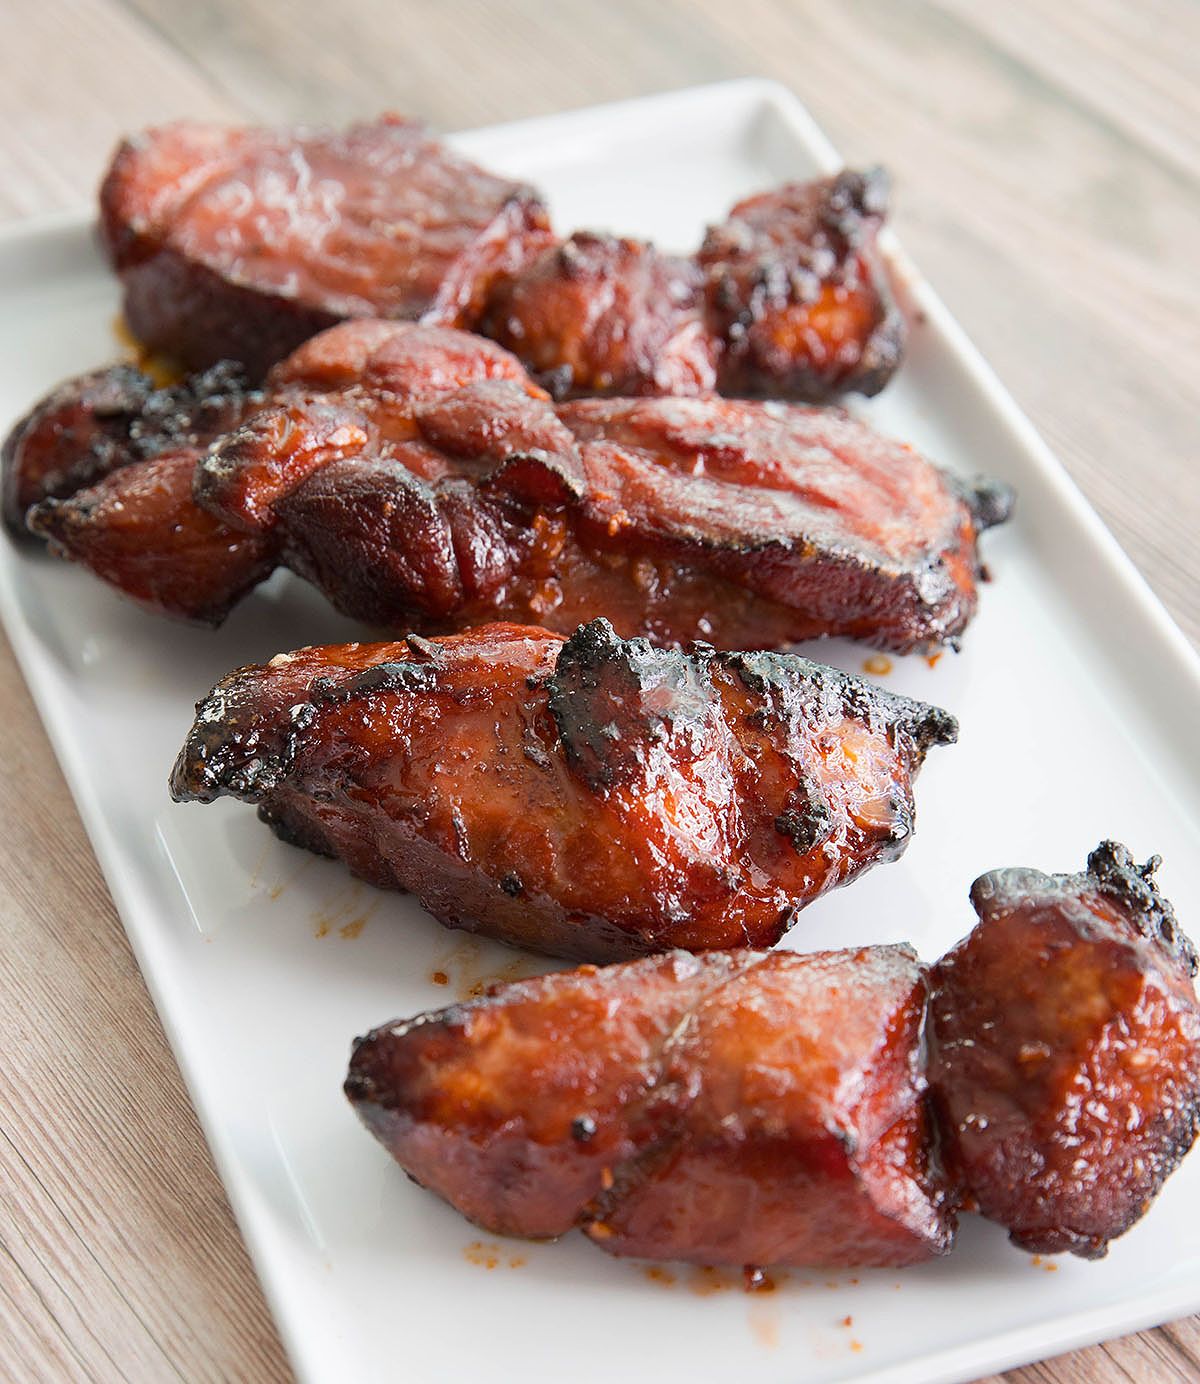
{"x":733,"y":1108}
{"x":595,"y":798}
{"x":799,"y":293}
{"x":421,"y":480}
{"x":752,"y":1108}
{"x":787,"y":299}
{"x":1066,"y":1044}
{"x":241,"y":243}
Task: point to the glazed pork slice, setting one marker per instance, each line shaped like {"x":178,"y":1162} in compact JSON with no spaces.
{"x":679,"y":519}
{"x":837,"y":1109}
{"x":788,"y":298}
{"x":1066,"y":1042}
{"x":411,"y":504}
{"x":421,"y":480}
{"x":735,"y":1108}
{"x":244,"y":242}
{"x":593,"y":798}
{"x":798,"y":292}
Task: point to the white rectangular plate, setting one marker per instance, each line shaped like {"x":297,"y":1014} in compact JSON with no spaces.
{"x":1078,"y":701}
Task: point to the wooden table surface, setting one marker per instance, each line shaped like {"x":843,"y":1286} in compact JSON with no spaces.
{"x":1047,"y":159}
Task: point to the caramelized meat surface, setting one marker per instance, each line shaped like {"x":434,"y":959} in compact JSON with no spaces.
{"x":735,"y":1108}
{"x":139,"y":530}
{"x":242,"y":243}
{"x":743,"y":1107}
{"x":102,"y":421}
{"x":245,"y":242}
{"x":595,"y":798}
{"x":1067,"y":1051}
{"x":597,"y":315}
{"x":421,"y":480}
{"x":799,"y":292}
{"x":833,"y":528}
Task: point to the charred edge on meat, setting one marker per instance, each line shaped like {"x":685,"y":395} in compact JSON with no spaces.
{"x":136,"y":419}
{"x":853,"y":202}
{"x":600,"y":683}
{"x":1112,"y":866}
{"x":990,"y":502}
{"x":1111,"y":870}
{"x":793,"y":687}
{"x":228,"y":753}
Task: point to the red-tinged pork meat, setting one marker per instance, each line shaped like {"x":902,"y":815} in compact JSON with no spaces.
{"x":1066,"y":1042}
{"x":837,"y":1109}
{"x":421,"y":480}
{"x":598,"y":315}
{"x":139,"y":530}
{"x":244,"y":242}
{"x":594,"y":798}
{"x":736,"y":1108}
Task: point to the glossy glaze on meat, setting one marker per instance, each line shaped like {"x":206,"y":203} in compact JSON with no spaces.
{"x":1066,"y":1044}
{"x":241,"y":243}
{"x":597,"y":798}
{"x":99,"y":422}
{"x":422,"y":481}
{"x":743,"y":1107}
{"x":140,"y":530}
{"x":799,"y":293}
{"x":598,"y":315}
{"x":733,"y":1108}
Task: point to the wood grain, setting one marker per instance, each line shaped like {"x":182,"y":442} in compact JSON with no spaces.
{"x":120,"y":1256}
{"x":1048,"y":166}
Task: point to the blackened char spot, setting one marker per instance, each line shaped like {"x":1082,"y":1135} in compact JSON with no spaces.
{"x":808,"y":819}
{"x":381,"y":677}
{"x":991,"y":502}
{"x":854,"y":196}
{"x":230,"y":751}
{"x":612,"y":699}
{"x":1113,"y":867}
{"x":1111,"y":870}
{"x":796,"y":688}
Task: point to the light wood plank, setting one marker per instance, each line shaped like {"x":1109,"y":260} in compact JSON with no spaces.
{"x":120,"y":1258}
{"x":77,"y":75}
{"x":1132,"y":66}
